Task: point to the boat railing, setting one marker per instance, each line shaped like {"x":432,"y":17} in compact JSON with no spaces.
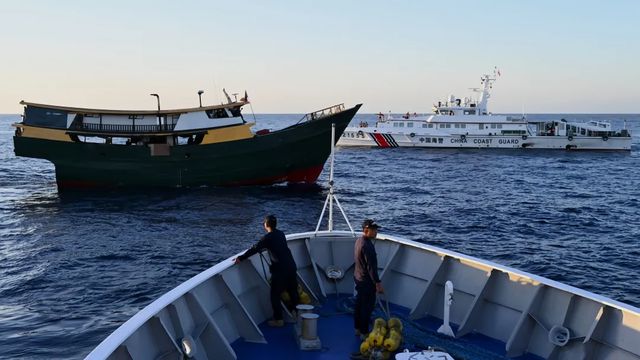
{"x":120,"y":128}
{"x":516,"y":118}
{"x":319,"y":114}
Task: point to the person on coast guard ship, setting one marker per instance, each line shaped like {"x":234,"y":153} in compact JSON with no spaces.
{"x":283,"y":267}
{"x":365,"y":277}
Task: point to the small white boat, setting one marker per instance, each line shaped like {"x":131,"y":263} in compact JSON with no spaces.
{"x":492,"y":311}
{"x":467,"y":123}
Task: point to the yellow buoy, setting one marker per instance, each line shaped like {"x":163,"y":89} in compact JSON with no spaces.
{"x":395,"y":323}
{"x":305,"y":298}
{"x":378,"y":339}
{"x":364,"y":348}
{"x":392,"y":342}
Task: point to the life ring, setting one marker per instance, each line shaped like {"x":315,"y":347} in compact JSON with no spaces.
{"x":360,"y":134}
{"x":570,"y":138}
{"x":605,"y":138}
{"x":524,"y":137}
{"x":412,"y":134}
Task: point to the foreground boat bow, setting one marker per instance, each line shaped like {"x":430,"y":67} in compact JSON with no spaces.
{"x":496,"y":310}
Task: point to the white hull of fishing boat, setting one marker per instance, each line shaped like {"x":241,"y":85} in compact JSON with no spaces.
{"x":528,"y":313}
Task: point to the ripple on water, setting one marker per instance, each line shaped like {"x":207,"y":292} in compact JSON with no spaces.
{"x":76,"y":265}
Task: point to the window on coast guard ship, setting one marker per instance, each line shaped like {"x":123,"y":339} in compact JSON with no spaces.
{"x":401,"y":124}
{"x":410,"y":124}
{"x":441,"y":126}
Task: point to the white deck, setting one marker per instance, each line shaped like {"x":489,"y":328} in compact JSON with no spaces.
{"x":226,"y":303}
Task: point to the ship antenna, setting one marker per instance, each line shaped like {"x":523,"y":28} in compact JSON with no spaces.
{"x":331,"y":197}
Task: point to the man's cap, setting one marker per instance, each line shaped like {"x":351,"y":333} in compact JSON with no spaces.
{"x":369,"y":223}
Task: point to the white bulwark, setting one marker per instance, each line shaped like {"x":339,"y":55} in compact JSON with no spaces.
{"x":466,"y":123}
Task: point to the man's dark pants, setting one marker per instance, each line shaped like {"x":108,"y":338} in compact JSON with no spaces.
{"x":365,"y":303}
{"x":281,"y":281}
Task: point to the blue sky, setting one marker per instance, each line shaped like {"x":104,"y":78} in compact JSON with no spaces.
{"x":298,"y":56}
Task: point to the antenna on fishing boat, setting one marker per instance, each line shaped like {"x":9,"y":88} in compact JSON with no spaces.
{"x":331,"y":197}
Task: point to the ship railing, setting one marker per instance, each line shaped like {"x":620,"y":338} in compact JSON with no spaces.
{"x":120,"y":128}
{"x":319,"y":114}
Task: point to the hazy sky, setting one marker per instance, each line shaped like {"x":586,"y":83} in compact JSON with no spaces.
{"x":299,"y":56}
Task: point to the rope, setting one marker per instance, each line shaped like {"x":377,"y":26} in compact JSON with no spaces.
{"x":385,"y":311}
{"x":254,"y":115}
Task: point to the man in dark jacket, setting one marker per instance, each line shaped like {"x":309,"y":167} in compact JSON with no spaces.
{"x":283,"y":267}
{"x":366,"y":277}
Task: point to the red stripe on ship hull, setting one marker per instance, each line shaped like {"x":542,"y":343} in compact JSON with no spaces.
{"x":308,"y":176}
{"x":382,"y":142}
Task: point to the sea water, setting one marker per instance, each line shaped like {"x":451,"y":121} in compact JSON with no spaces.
{"x":75,"y":266}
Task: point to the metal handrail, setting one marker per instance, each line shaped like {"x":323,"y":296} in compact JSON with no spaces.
{"x":318,"y":114}
{"x":134,"y":128}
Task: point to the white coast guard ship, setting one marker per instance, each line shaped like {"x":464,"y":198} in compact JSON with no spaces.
{"x":467,"y":123}
{"x":451,"y":306}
